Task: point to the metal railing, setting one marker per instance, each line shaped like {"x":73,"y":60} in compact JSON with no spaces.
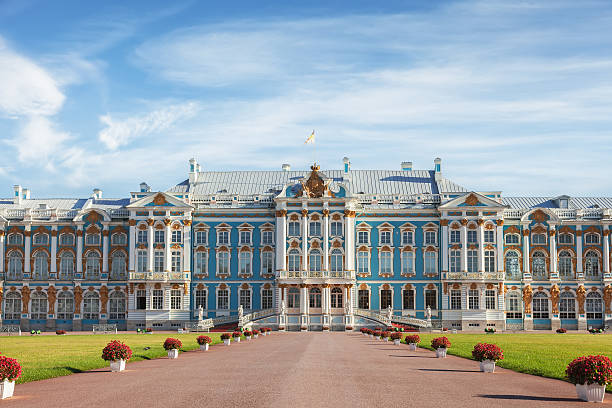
{"x":104,"y":329}
{"x":10,"y":329}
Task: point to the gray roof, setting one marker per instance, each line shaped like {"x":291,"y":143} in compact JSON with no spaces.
{"x":549,"y":202}
{"x":57,"y":203}
{"x":384,"y":182}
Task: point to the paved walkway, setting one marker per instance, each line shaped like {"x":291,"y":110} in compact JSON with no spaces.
{"x":300,"y":370}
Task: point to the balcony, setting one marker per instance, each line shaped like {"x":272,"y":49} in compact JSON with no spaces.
{"x":475,"y":275}
{"x":316,"y":274}
{"x":159,"y":276}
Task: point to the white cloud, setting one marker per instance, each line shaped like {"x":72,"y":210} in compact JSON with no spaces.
{"x":38,"y":141}
{"x":121,"y":132}
{"x":27,"y":89}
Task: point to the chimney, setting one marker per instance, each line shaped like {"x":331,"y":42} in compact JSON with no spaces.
{"x":144,"y":187}
{"x":346,"y":176}
{"x":97,"y":193}
{"x":407,"y":166}
{"x":286,"y":167}
{"x":438,"y":167}
{"x":18,"y":194}
{"x":193,"y":170}
{"x":26,"y":193}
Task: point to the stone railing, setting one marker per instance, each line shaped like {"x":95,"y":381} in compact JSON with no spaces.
{"x":412,"y":321}
{"x":250,"y":317}
{"x":104,"y":328}
{"x":157,"y":276}
{"x":476,"y":275}
{"x":376,"y":316}
{"x":202,"y":325}
{"x":316,"y":274}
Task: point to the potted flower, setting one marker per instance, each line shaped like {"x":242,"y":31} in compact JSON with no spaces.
{"x":396,"y":337}
{"x":304,"y":328}
{"x":236,"y":335}
{"x":561,"y":330}
{"x":149,"y":330}
{"x":281,"y":328}
{"x":172,"y":346}
{"x":364,"y":331}
{"x":386,"y":335}
{"x":371,"y":333}
{"x":117,"y":353}
{"x":325,"y":328}
{"x":10,"y":370}
{"x":488,"y":355}
{"x":590,"y":375}
{"x":377,"y":334}
{"x":348,"y":328}
{"x":490,"y":330}
{"x":412,"y":340}
{"x":440,"y":344}
{"x":204,"y":341}
{"x":248,"y":334}
{"x":255,"y":333}
{"x":60,"y":332}
{"x":226,"y":337}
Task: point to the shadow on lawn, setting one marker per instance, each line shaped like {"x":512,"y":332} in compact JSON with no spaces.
{"x":527,"y":398}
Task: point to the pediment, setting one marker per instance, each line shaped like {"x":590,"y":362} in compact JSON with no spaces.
{"x":472,"y":199}
{"x":159,"y":199}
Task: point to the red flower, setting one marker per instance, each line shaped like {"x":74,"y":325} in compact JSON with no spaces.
{"x":203,"y":340}
{"x":590,"y":370}
{"x":484,"y":351}
{"x":413,"y":338}
{"x":172,"y":344}
{"x":9,"y":369}
{"x":440,"y":342}
{"x":116,"y":350}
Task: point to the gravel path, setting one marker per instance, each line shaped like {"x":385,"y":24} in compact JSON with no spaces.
{"x":300,"y":370}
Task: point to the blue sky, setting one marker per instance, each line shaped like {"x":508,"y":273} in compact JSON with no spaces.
{"x":512,"y":95}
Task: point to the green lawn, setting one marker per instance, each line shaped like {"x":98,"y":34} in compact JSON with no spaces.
{"x":545,"y":355}
{"x":53,"y":356}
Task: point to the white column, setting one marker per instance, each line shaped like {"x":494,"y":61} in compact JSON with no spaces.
{"x":525,"y":250}
{"x":480,"y":245}
{"x":326,"y":240}
{"x":578,"y":248}
{"x":187,"y":246}
{"x":345,"y":294}
{"x":150,"y":245}
{"x":305,"y":239}
{"x":304,"y":300}
{"x":326,"y":300}
{"x":132,"y":246}
{"x":552,"y":236}
{"x":167,"y":243}
{"x":606,"y":249}
{"x":105,"y":249}
{"x":464,"y":248}
{"x":2,"y":250}
{"x":499,"y":241}
{"x":79,"y":254}
{"x":349,"y":239}
{"x":281,"y":240}
{"x":53,"y":264}
{"x":444,"y":224}
{"x":27,"y":249}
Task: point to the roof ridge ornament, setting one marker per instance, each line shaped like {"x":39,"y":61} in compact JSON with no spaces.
{"x":315,"y":186}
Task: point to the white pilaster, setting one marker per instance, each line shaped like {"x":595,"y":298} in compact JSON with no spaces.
{"x":187,"y":247}
{"x":480,"y":245}
{"x":464,"y":246}
{"x":150,"y":258}
{"x":79,"y":254}
{"x":606,"y":249}
{"x":2,"y":250}
{"x":105,"y":249}
{"x":305,"y":239}
{"x":349,"y":239}
{"x":281,"y":240}
{"x":27,"y":249}
{"x":579,"y":249}
{"x":326,"y":300}
{"x":167,"y":243}
{"x":499,"y":242}
{"x":444,"y":245}
{"x":326,"y":239}
{"x":525,"y":250}
{"x":53,"y":264}
{"x":304,"y":300}
{"x":553,"y":250}
{"x":132,"y":246}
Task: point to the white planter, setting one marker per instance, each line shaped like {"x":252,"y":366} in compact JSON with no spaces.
{"x":386,"y":339}
{"x":440,"y":352}
{"x":255,"y":336}
{"x":413,"y":347}
{"x":364,"y":333}
{"x":173,"y":353}
{"x":117,"y":365}
{"x":396,"y":342}
{"x":204,"y":347}
{"x":591,"y":392}
{"x":487,"y":366}
{"x":7,"y":388}
{"x":237,"y":339}
{"x":371,"y":336}
{"x":226,"y":342}
{"x":248,"y":337}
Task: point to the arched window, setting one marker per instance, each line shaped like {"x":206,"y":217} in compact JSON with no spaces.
{"x":565,"y":265}
{"x":15,"y":265}
{"x":540,"y":306}
{"x":294,"y":260}
{"x":91,"y":306}
{"x":407,"y":263}
{"x":336,"y":263}
{"x":591,"y":238}
{"x":66,"y":265}
{"x":117,"y":306}
{"x":12,"y":306}
{"x":594,"y":306}
{"x":567,"y":306}
{"x":119,"y":238}
{"x":538,"y":265}
{"x":40,"y":239}
{"x":245,"y":263}
{"x":315,"y":297}
{"x":386,"y":262}
{"x":118,"y":265}
{"x":512,"y":265}
{"x":591,"y":265}
{"x":315,"y":261}
{"x":38,"y":306}
{"x":293,"y":298}
{"x":41,"y":265}
{"x":15,"y":239}
{"x":92,"y":238}
{"x":65,"y":305}
{"x":514,"y":309}
{"x":92,"y":265}
{"x":336,"y":298}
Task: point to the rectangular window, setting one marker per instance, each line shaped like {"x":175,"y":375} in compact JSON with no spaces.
{"x":473,"y":299}
{"x":455,"y":299}
{"x":385,"y":238}
{"x":386,"y":262}
{"x":490,"y":299}
{"x":489,"y":261}
{"x":201,"y":263}
{"x":408,"y":299}
{"x":177,"y":236}
{"x":455,"y":260}
{"x":223,"y":263}
{"x":200,"y":298}
{"x":267,"y":237}
{"x":142,"y":261}
{"x":407,"y":263}
{"x":201,"y":237}
{"x":314,"y":229}
{"x":245,"y":237}
{"x":363,"y":297}
{"x":267,"y":263}
{"x":223,"y":299}
{"x":430,"y":238}
{"x":157,"y":299}
{"x":512,"y":239}
{"x":245,"y":298}
{"x":385,"y":299}
{"x":141,"y":299}
{"x":294,"y":229}
{"x":566,"y":239}
{"x":431,"y":266}
{"x":266,"y":299}
{"x":223,"y":237}
{"x":176,"y":295}
{"x":158,"y":236}
{"x":472,"y":260}
{"x":538,"y":239}
{"x":159,"y":261}
{"x":472,"y":237}
{"x":67,"y":239}
{"x":363,"y":265}
{"x":176,"y":261}
{"x":142,"y":237}
{"x":489,"y":236}
{"x":245,"y":263}
{"x":363,"y":237}
{"x":407,"y":238}
{"x":455,"y":236}
{"x":514,"y":307}
{"x":431,"y":299}
{"x":336,"y":229}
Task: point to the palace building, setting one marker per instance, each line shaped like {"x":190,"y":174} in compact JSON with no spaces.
{"x":313,"y":247}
